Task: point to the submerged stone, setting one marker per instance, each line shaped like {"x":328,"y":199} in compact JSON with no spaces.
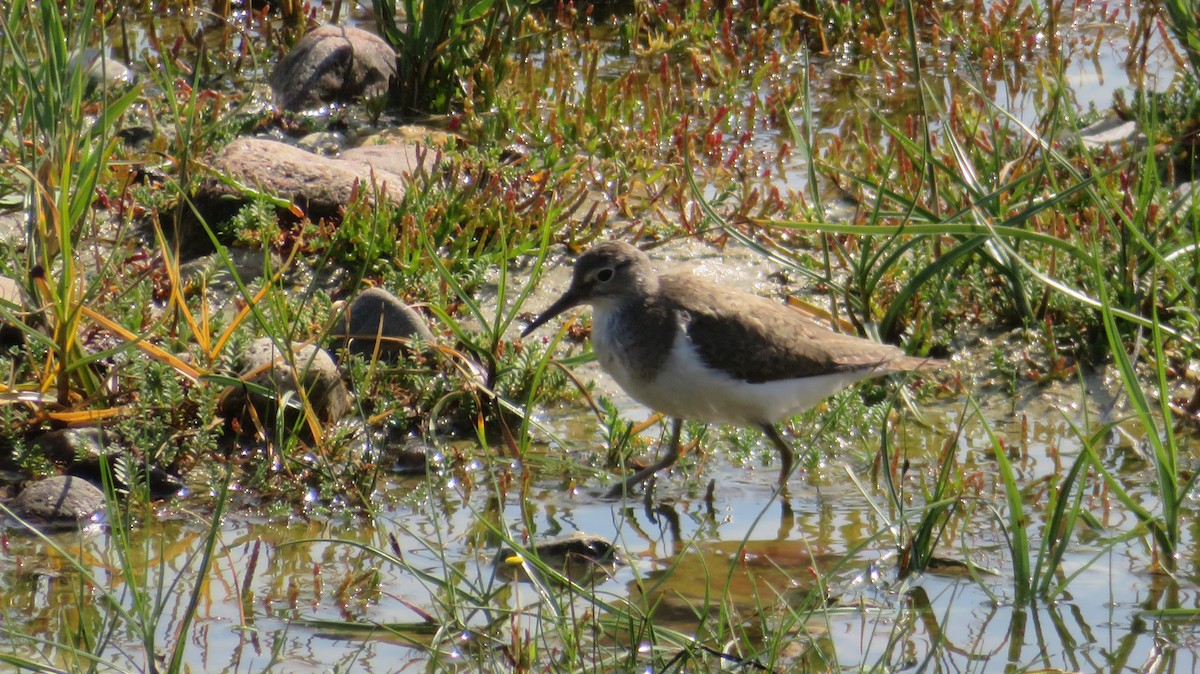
{"x":67,"y":446}
{"x":82,"y":453}
{"x":412,"y":458}
{"x":577,"y":556}
{"x":59,"y":502}
{"x":328,"y":143}
{"x":415,"y":133}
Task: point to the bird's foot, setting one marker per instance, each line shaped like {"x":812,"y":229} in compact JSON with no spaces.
{"x":626,"y":486}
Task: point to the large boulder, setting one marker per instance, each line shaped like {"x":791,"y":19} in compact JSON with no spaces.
{"x":321,"y":186}
{"x":333,"y":63}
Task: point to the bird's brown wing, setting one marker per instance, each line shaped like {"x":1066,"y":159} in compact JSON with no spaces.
{"x":759,"y":340}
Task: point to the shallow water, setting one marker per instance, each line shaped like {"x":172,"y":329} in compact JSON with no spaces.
{"x":305,"y":595}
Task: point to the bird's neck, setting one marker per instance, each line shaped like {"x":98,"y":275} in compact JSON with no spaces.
{"x":632,"y":333}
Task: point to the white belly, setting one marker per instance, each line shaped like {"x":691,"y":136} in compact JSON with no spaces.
{"x":685,"y":388}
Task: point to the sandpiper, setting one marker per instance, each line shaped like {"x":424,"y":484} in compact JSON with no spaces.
{"x":692,"y":349}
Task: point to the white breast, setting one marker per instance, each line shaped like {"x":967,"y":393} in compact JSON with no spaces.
{"x":684,"y":387}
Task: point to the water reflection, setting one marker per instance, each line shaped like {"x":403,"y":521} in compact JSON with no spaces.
{"x":318,"y":593}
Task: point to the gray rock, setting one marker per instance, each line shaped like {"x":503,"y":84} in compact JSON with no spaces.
{"x":328,"y":143}
{"x":399,"y":158}
{"x":320,"y":185}
{"x":333,"y":63}
{"x":67,"y":446}
{"x":59,"y":502}
{"x":13,"y":223}
{"x":1111,"y":132}
{"x":414,"y":133}
{"x":379,"y":318}
{"x":262,"y":364}
{"x":1183,"y":198}
{"x":12,"y":299}
{"x":220,"y":273}
{"x":102,"y":71}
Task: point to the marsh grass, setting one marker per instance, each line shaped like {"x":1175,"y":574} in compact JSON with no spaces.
{"x":1172,"y":482}
{"x":451,"y":53}
{"x":64,"y":156}
{"x":1026,"y":224}
{"x":1034,"y":575}
{"x":131,"y":601}
{"x":918,"y":541}
{"x":1185,"y":27}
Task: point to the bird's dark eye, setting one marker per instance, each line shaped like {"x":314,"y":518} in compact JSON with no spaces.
{"x":604,"y":275}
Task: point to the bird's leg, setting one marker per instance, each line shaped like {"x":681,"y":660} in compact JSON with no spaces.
{"x":667,"y":461}
{"x":786,"y":457}
{"x":787,"y":516}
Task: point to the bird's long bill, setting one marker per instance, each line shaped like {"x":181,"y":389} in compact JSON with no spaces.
{"x":567,"y":301}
